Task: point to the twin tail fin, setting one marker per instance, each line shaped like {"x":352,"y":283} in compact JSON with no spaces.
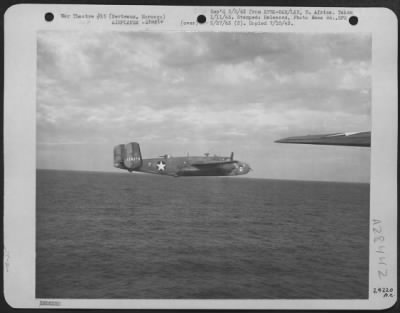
{"x":128,"y":156}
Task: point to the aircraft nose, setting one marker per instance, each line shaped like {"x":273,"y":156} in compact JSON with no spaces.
{"x":244,"y":168}
{"x":247,"y":167}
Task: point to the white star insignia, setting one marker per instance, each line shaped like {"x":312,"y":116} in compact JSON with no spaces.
{"x":161,"y":166}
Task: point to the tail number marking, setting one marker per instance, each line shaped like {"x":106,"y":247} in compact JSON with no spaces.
{"x":133,"y":158}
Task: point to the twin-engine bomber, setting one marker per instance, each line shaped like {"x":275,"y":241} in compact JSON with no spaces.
{"x":128,"y":157}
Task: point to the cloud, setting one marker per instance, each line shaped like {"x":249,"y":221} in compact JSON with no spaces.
{"x":182,"y":91}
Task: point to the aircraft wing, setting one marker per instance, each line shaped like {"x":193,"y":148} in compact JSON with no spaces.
{"x":358,"y":139}
{"x":213,"y":163}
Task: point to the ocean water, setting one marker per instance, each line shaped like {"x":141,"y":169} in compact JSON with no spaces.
{"x":132,"y":236}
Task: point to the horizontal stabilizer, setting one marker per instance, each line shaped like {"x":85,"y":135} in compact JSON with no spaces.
{"x":358,"y":139}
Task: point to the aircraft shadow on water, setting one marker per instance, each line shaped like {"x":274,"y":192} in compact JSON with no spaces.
{"x":128,"y":157}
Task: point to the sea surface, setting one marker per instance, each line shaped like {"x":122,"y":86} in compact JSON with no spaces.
{"x":121,"y":235}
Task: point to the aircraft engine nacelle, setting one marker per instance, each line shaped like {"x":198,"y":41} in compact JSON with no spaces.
{"x":132,"y":156}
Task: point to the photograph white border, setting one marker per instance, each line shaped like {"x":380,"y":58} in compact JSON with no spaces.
{"x":23,"y":21}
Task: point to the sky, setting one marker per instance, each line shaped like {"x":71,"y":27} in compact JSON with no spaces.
{"x":195,"y":92}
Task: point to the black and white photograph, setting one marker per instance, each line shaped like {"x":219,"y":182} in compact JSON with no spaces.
{"x":159,"y":174}
{"x":174,"y":162}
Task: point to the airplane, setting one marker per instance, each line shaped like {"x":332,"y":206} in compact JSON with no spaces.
{"x":357,"y":139}
{"x":128,"y":157}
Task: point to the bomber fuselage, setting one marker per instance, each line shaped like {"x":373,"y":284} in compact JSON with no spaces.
{"x":128,"y":157}
{"x":193,"y":166}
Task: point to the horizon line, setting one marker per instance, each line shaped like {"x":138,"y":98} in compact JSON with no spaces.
{"x":150,"y":175}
